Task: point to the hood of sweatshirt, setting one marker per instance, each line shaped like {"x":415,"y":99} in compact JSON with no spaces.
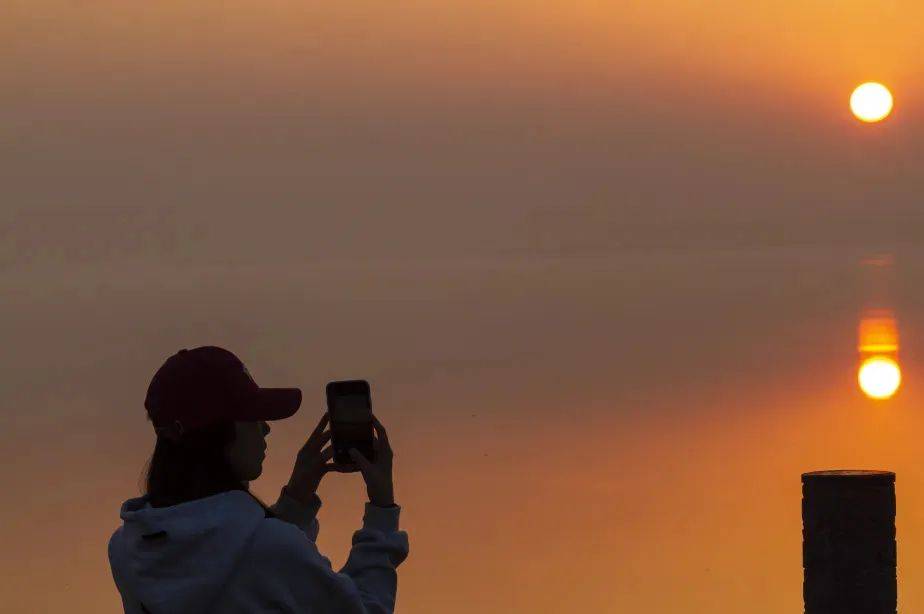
{"x":178,"y":559}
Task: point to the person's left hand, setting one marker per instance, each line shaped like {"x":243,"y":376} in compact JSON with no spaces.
{"x":311,"y":463}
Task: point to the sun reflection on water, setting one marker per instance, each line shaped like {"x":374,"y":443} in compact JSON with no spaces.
{"x":879,"y":377}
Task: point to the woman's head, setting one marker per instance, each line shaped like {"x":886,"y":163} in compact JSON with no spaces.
{"x":210,"y":418}
{"x":207,"y":461}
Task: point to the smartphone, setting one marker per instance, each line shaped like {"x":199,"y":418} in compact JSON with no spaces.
{"x":349,"y":404}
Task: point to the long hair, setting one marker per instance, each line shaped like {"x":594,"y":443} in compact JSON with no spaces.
{"x":193,"y":467}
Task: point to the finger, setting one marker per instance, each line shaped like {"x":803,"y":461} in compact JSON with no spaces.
{"x":316,"y":443}
{"x":317,"y":437}
{"x":321,"y":439}
{"x":320,"y":427}
{"x":380,"y":431}
{"x":359,"y":459}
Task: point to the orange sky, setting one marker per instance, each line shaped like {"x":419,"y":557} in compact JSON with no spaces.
{"x":601,"y":264}
{"x":415,"y":51}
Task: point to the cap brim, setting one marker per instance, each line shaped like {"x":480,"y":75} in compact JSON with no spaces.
{"x":272,"y":404}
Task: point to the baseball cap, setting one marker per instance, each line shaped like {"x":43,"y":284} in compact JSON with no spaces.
{"x":198,"y":387}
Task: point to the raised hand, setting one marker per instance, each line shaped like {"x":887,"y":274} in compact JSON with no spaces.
{"x":311,"y":463}
{"x":378,"y":474}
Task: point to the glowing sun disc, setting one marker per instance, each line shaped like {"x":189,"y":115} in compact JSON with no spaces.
{"x":871,"y":102}
{"x":879,"y":377}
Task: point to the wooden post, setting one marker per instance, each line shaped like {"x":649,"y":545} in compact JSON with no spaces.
{"x":848,"y":542}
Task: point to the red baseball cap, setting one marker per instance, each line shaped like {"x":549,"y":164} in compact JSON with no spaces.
{"x":206,"y":385}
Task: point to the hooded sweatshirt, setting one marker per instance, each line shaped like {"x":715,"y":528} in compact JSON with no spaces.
{"x":222,"y":554}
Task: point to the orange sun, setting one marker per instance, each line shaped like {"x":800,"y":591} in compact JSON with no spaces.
{"x":871,"y":102}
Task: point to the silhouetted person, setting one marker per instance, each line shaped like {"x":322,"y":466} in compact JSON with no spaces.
{"x":198,"y":541}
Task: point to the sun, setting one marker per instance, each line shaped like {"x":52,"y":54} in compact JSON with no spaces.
{"x":879,"y":377}
{"x":871,"y":102}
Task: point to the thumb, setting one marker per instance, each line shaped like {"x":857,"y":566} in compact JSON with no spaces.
{"x":360,"y":460}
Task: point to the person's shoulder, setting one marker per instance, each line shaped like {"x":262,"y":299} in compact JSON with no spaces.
{"x":114,"y":548}
{"x":281,"y":542}
{"x":114,"y":538}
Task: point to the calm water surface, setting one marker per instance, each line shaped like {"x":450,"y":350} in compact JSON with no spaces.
{"x":619,"y":433}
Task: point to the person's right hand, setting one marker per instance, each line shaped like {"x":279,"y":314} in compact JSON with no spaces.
{"x":378,"y":474}
{"x":311,"y":463}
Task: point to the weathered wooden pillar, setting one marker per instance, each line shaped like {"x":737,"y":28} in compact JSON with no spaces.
{"x":848,"y":542}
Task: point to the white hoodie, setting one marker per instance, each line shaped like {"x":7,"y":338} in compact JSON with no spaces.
{"x":221,"y":554}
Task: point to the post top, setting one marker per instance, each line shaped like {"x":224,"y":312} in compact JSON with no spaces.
{"x":834,"y":474}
